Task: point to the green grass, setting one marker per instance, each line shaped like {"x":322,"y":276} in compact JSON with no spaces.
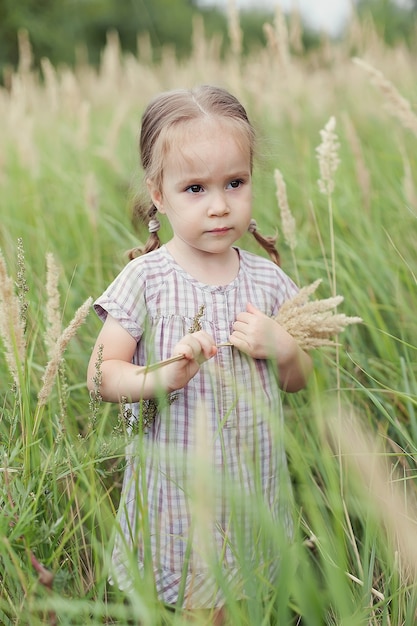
{"x":60,"y":486}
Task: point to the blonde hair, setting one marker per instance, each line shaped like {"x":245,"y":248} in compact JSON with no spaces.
{"x":160,"y":122}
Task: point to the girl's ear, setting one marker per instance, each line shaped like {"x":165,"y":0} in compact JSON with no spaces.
{"x":156,"y":195}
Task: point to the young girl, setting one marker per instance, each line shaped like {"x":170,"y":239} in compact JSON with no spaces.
{"x":211,"y":304}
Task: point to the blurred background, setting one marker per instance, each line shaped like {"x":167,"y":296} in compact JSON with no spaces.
{"x":65,"y":31}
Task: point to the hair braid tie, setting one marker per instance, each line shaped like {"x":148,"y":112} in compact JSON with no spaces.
{"x":154,"y":225}
{"x":252,"y":226}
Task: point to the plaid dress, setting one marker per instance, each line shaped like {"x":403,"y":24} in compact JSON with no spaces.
{"x":201,"y":475}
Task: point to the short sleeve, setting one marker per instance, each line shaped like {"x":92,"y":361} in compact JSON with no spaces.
{"x":125,"y":299}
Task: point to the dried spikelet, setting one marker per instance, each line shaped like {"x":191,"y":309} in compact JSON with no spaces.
{"x":70,"y":91}
{"x":202,"y":501}
{"x":23,"y":126}
{"x":25,"y":52}
{"x":282,"y":37}
{"x":277,"y":40}
{"x":384,"y":493}
{"x":327,"y":153}
{"x":57,"y":353}
{"x":235,"y":32}
{"x":396,"y":104}
{"x":355,"y":32}
{"x":199,"y":48}
{"x":287,"y":219}
{"x":51,"y":83}
{"x":362,"y":172}
{"x":53,"y":308}
{"x":12,"y":324}
{"x":144,"y":48}
{"x":110,"y":68}
{"x":271,"y":40}
{"x":409,"y":188}
{"x":22,"y":286}
{"x":18,"y":100}
{"x":313,"y":324}
{"x":296,"y":31}
{"x":196,"y":323}
{"x":95,"y":394}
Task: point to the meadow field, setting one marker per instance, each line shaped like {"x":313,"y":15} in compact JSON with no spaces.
{"x":69,"y":172}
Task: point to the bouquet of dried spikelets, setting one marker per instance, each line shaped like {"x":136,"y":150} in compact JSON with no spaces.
{"x":313,"y":323}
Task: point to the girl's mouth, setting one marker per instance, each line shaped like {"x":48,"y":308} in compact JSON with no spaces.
{"x":219,"y":231}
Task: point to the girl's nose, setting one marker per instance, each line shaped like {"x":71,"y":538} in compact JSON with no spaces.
{"x":218,"y":205}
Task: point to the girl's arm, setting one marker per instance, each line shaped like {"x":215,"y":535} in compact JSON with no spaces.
{"x":121,"y":379}
{"x":261,"y":337}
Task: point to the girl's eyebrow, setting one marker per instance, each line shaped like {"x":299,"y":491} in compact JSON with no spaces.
{"x":195,"y":177}
{"x":191,"y":180}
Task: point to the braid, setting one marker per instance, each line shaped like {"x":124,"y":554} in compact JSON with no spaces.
{"x":153,"y":242}
{"x":267,"y":243}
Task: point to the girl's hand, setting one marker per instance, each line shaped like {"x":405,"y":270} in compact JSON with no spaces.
{"x":196,"y":348}
{"x":258,"y":335}
{"x":120,"y":378}
{"x":261,"y":337}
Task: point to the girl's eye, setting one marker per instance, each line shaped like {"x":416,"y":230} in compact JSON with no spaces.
{"x":235,"y":184}
{"x":194,"y":188}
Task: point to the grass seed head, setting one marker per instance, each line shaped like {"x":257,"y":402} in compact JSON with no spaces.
{"x":287,"y":219}
{"x":12,"y":324}
{"x":57,"y":353}
{"x":396,"y":104}
{"x":53,"y":307}
{"x":328,"y":157}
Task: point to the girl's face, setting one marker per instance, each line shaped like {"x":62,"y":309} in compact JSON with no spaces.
{"x":207,"y":189}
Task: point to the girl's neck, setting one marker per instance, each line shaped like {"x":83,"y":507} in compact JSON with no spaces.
{"x":207,"y":268}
